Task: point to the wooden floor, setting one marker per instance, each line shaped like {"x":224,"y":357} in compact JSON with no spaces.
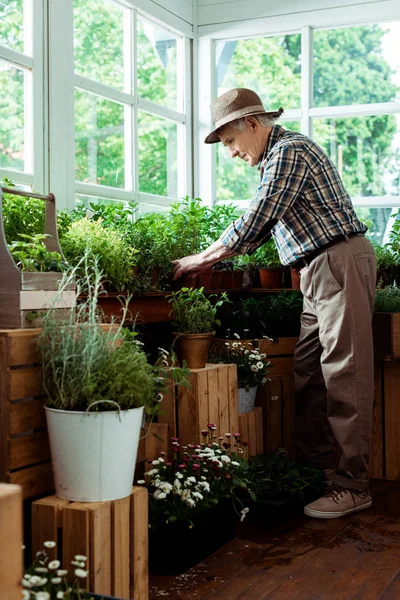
{"x":355,"y":557}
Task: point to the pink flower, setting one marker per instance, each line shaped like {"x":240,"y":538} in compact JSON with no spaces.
{"x":212,"y":426}
{"x":245,"y":444}
{"x":228,"y":435}
{"x":169,"y":464}
{"x":236,"y":435}
{"x":204,"y":432}
{"x":195,"y":466}
{"x":175,"y":439}
{"x":162,"y":453}
{"x":181,"y":466}
{"x":186,"y":459}
{"x":149,"y":460}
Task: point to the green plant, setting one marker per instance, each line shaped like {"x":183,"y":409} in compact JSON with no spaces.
{"x":32,"y":255}
{"x":245,"y":316}
{"x":387,"y":299}
{"x":197,"y":478}
{"x":84,"y":362}
{"x":282,"y":314}
{"x":252,"y":366}
{"x":21,"y":216}
{"x":116,"y":258}
{"x":267,"y":257}
{"x":385,"y":258}
{"x":193,"y":312}
{"x":276,"y":479}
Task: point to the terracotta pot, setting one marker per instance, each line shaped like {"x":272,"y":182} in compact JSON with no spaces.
{"x":186,"y":281}
{"x":271,"y":278}
{"x":295,"y":279}
{"x":216,"y":280}
{"x":204,"y":279}
{"x":237,"y":278}
{"x":227,"y":280}
{"x":193,"y":348}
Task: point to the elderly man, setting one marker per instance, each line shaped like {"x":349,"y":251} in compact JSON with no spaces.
{"x":302,"y":203}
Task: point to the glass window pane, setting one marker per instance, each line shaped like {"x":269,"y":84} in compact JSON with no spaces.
{"x":269,"y":66}
{"x":291,"y":125}
{"x":235,"y":179}
{"x":157,"y":64}
{"x":357,"y":65}
{"x":99,"y":140}
{"x":11,"y":117}
{"x":366,"y":151}
{"x":157,"y":150}
{"x":379,"y":221}
{"x":12,"y":24}
{"x":99,"y":41}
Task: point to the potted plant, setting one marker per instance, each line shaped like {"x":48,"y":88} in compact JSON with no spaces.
{"x":252,"y":370}
{"x":194,"y":318}
{"x":46,"y":579}
{"x":386,"y":322}
{"x":31,"y":255}
{"x":387,"y":265}
{"x":266,"y":258}
{"x":116,"y":258}
{"x":195,"y":500}
{"x":99,"y":384}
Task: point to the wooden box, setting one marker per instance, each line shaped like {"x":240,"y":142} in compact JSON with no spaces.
{"x":24,"y":295}
{"x":212,"y":398}
{"x":113,"y":535}
{"x":251,"y":430}
{"x":386,"y":330}
{"x":11,"y":554}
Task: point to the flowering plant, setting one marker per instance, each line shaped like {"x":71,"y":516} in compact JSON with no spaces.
{"x":46,"y":580}
{"x":252,"y":366}
{"x":198,"y":477}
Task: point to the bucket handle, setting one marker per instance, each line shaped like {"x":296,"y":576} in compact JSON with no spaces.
{"x":109,"y":402}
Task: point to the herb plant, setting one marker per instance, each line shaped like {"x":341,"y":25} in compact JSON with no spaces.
{"x":193,"y":312}
{"x":387,"y":299}
{"x":267,"y":257}
{"x":32,"y":255}
{"x":21,"y":216}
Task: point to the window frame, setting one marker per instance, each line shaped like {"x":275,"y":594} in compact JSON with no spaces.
{"x":305,"y":24}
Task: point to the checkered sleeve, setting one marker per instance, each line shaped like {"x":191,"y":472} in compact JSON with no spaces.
{"x":285,"y":176}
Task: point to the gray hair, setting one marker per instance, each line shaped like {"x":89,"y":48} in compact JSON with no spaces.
{"x":264,"y":120}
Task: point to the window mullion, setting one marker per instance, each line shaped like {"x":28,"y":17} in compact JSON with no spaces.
{"x":135,"y":127}
{"x":306,"y":79}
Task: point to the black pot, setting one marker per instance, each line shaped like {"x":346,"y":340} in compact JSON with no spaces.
{"x":175,"y":548}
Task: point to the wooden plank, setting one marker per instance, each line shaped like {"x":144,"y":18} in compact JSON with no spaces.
{"x":386,"y":334}
{"x":46,"y":520}
{"x":11,"y":558}
{"x":233,"y":401}
{"x":27,"y":415}
{"x":139,"y":544}
{"x":4,"y":400}
{"x":76,"y":538}
{"x":100,"y":547}
{"x":259,"y":429}
{"x":223,"y":405}
{"x":252,"y":439}
{"x":187,"y":413}
{"x":391,"y":374}
{"x":273,"y":415}
{"x":213,"y":399}
{"x":288,"y":415}
{"x":120,"y":547}
{"x":281,"y":346}
{"x":156,"y":441}
{"x":167,"y":413}
{"x":25,"y":382}
{"x":244,"y":427}
{"x":29,"y":449}
{"x":35,"y":481}
{"x":281,"y":367}
{"x":376,"y":470}
{"x":202,"y":397}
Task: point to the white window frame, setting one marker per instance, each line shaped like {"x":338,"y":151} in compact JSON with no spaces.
{"x":304,"y":23}
{"x":32,"y":62}
{"x":63,"y":82}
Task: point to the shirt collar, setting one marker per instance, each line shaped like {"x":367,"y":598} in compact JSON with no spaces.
{"x":276,"y":133}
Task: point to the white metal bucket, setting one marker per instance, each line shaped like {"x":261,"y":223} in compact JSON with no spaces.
{"x":94,"y":454}
{"x":246,"y":399}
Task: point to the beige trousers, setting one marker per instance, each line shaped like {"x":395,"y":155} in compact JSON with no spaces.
{"x":333,"y":364}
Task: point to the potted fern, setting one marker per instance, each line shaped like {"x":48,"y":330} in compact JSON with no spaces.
{"x":194,"y":318}
{"x":99,"y":384}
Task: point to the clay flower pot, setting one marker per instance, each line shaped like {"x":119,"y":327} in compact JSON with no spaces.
{"x":295,"y":279}
{"x":216,"y":280}
{"x":204,"y":279}
{"x":227,"y":280}
{"x":271,"y":278}
{"x":237,"y":279}
{"x":193,"y":348}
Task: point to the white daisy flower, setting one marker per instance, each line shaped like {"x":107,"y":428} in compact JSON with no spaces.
{"x":225,"y":458}
{"x":26,"y":595}
{"x":60,"y":595}
{"x":260,"y":365}
{"x":56,"y":580}
{"x":254,"y":368}
{"x":140,"y":481}
{"x":62,"y":572}
{"x":155,"y":462}
{"x":81,"y":573}
{"x":80,"y":557}
{"x":41,"y":570}
{"x":42,"y":596}
{"x":54,"y":564}
{"x":235,"y":463}
{"x":49,"y":544}
{"x":237,"y":336}
{"x":159,"y":495}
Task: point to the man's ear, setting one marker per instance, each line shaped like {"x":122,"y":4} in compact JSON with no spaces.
{"x":254,"y":124}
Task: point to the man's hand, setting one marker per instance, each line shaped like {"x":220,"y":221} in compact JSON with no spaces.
{"x":189,"y":265}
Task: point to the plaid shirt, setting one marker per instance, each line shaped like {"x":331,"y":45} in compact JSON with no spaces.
{"x":301,"y":201}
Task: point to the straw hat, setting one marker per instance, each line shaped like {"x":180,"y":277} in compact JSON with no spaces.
{"x":235,"y":104}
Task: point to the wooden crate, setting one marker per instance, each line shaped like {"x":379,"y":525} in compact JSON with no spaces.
{"x":251,"y":430}
{"x":11,"y":554}
{"x":391,"y":386}
{"x":113,"y":535}
{"x":212,"y":398}
{"x":386,"y":331}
